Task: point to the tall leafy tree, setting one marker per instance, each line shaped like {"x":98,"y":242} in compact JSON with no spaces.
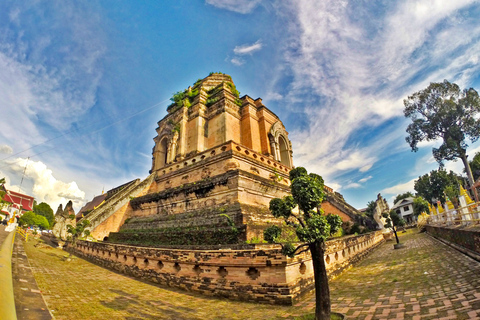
{"x":419,"y":205}
{"x":45,"y":210}
{"x":443,"y":111}
{"x":402,"y":196}
{"x":311,"y":226}
{"x":432,"y":186}
{"x":475,"y":166}
{"x":370,"y":211}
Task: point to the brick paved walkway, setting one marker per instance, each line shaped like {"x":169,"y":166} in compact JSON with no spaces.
{"x":425,"y":280}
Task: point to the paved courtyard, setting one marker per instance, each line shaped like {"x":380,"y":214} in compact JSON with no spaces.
{"x":425,"y":280}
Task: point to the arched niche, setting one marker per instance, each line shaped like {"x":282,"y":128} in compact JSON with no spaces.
{"x":284,"y":151}
{"x":161,"y":153}
{"x":281,"y":147}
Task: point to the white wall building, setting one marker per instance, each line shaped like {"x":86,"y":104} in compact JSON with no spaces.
{"x":404,"y":208}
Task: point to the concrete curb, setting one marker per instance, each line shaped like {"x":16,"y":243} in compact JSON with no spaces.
{"x":7,"y":301}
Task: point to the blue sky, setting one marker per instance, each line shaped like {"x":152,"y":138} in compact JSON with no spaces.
{"x":84,"y":84}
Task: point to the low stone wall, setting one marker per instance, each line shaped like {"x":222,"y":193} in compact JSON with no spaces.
{"x":251,"y":272}
{"x":465,"y":240}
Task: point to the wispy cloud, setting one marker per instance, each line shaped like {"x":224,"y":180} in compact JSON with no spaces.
{"x":237,"y":61}
{"x":352,"y":67}
{"x":363,"y":180}
{"x":5,"y":149}
{"x":353,"y":185}
{"x":248,"y":48}
{"x":240,"y":6}
{"x":400,"y":188}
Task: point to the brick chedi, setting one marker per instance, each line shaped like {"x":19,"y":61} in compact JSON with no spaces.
{"x":215,"y":155}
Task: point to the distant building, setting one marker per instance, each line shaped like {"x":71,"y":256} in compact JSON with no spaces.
{"x":404,"y":208}
{"x":19,"y":203}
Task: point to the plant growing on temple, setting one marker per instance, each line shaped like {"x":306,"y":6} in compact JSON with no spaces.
{"x":312,"y":229}
{"x":393,"y":220}
{"x":443,"y":111}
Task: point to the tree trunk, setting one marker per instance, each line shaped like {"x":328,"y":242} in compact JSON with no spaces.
{"x":322,"y":291}
{"x":469,"y":175}
{"x":395,"y":232}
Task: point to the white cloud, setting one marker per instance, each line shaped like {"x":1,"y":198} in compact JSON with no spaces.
{"x":363,"y":180}
{"x":47,"y":188}
{"x":353,"y":185}
{"x":237,"y":61}
{"x":248,"y":48}
{"x":351,"y":74}
{"x":240,"y":6}
{"x":6,"y":149}
{"x":400,"y":188}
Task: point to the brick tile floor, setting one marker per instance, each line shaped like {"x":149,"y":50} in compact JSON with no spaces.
{"x":425,"y":280}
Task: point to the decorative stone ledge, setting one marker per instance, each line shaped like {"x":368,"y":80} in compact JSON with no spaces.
{"x":243,"y":272}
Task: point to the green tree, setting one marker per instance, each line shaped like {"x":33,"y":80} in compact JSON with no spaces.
{"x":402,"y":196}
{"x":393,"y":221}
{"x":311,"y":226}
{"x":419,"y":205}
{"x":475,"y":166}
{"x":443,"y":111}
{"x":45,"y":210}
{"x":3,"y":203}
{"x":370,"y":211}
{"x":432,"y":186}
{"x":41,"y":222}
{"x":27,"y":219}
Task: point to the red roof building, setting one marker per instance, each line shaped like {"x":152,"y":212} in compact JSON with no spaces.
{"x":19,"y":200}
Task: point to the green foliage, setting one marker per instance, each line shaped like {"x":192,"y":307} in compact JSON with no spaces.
{"x":475,"y":166}
{"x":335,"y":223}
{"x":393,"y":220}
{"x":443,"y":111}
{"x":27,"y":219}
{"x":431,"y":186}
{"x":238,"y":102}
{"x":316,"y":228}
{"x":288,"y":249}
{"x":282,"y":208}
{"x":211,"y":101}
{"x":233,"y":89}
{"x":419,"y":205}
{"x":272,"y":233}
{"x":307,"y":192}
{"x":371,"y":206}
{"x":45,"y":210}
{"x":297,"y":172}
{"x":79,"y":230}
{"x":402,"y":196}
{"x":177,"y":236}
{"x":41,"y":222}
{"x":178,"y":96}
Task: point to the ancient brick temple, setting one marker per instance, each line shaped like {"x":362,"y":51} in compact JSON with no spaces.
{"x":218,"y":159}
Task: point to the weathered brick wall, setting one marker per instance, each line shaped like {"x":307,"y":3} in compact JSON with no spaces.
{"x":243,"y":272}
{"x":467,"y":239}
